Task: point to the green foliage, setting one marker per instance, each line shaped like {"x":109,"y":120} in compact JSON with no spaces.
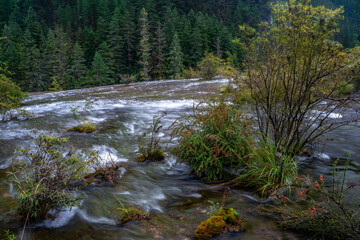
{"x":209,"y":66}
{"x":292,"y":66}
{"x":149,"y":143}
{"x":145,"y":47}
{"x":214,"y":137}
{"x":320,"y":209}
{"x":10,"y":97}
{"x":176,"y":66}
{"x":55,"y":86}
{"x":44,"y":176}
{"x":7,"y":235}
{"x":100,"y":72}
{"x":126,"y":78}
{"x":214,"y":208}
{"x":41,"y":36}
{"x":159,"y":70}
{"x":78,"y":67}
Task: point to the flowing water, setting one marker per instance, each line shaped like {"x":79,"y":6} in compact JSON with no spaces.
{"x":177,"y":201}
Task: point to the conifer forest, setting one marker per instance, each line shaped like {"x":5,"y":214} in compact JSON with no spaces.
{"x":85,"y":43}
{"x":179,"y":119}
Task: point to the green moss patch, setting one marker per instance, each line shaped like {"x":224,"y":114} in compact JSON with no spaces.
{"x":226,"y":219}
{"x":86,"y":128}
{"x":156,"y":155}
{"x":210,"y":228}
{"x":133,"y":214}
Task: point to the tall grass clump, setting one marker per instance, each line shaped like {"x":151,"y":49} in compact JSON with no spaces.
{"x":149,"y":142}
{"x":268,"y":169}
{"x":213,"y":138}
{"x":81,"y":115}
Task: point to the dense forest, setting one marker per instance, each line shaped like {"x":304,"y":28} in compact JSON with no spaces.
{"x":66,"y":44}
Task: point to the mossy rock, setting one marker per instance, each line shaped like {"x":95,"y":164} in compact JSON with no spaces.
{"x":83,"y":129}
{"x":226,"y":219}
{"x":232,"y":219}
{"x":141,"y":158}
{"x":156,"y":155}
{"x":210,"y":228}
{"x":133,"y":214}
{"x":223,"y":89}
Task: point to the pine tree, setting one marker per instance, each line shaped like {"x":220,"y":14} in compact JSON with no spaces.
{"x":116,"y":43}
{"x":10,"y":50}
{"x":57,"y":53}
{"x":88,"y":42}
{"x":171,"y":25}
{"x":33,"y":65}
{"x":102,"y":30}
{"x":78,"y":69}
{"x":108,"y":59}
{"x":99,"y":71}
{"x":145,"y":48}
{"x":33,"y":25}
{"x":176,"y":66}
{"x":128,"y":29}
{"x":158,"y":55}
{"x":197,"y":51}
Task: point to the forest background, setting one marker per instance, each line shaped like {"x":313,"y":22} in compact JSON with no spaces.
{"x":67,"y":44}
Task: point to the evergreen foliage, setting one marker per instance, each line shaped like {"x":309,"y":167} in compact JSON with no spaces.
{"x":41,"y":36}
{"x":10,"y":96}
{"x":145,"y":48}
{"x":175,"y":58}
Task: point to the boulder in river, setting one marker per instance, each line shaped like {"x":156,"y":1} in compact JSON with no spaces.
{"x":226,"y":219}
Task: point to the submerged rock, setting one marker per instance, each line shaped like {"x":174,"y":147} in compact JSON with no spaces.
{"x":156,"y":155}
{"x":132,"y":214}
{"x":105,"y":173}
{"x":226,"y":219}
{"x":83,"y":128}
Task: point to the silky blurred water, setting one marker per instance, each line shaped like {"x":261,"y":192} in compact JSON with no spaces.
{"x":178,"y":202}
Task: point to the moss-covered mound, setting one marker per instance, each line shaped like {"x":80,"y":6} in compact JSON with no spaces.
{"x":226,"y":219}
{"x":87,"y":127}
{"x":133,"y":214}
{"x":210,"y":228}
{"x":156,"y":155}
{"x":232,"y":219}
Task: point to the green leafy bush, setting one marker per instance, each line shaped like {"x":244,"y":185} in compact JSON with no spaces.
{"x":7,"y":235}
{"x":215,"y":136}
{"x":44,"y":176}
{"x":210,"y":66}
{"x":10,"y":98}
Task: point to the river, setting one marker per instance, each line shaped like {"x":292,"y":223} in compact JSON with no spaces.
{"x":177,"y":201}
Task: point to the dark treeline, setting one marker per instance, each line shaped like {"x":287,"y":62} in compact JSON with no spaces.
{"x":66,"y":44}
